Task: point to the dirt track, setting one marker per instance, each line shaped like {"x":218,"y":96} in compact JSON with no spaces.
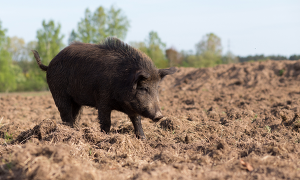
{"x":229,"y":122}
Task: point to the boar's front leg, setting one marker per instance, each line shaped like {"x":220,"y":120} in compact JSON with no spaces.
{"x":138,"y":129}
{"x":104,"y":119}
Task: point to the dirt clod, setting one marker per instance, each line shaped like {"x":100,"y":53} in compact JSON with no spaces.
{"x":39,"y":131}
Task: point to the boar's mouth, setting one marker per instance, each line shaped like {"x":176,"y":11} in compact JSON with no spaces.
{"x":157,"y":116}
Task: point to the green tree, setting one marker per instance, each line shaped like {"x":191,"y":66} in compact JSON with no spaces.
{"x":209,"y":51}
{"x":21,"y":52}
{"x":86,"y":29}
{"x":229,"y":58}
{"x":294,"y":57}
{"x":17,"y":48}
{"x":154,"y":48}
{"x":189,"y":59}
{"x":49,"y":44}
{"x":97,"y":26}
{"x":175,"y":58}
{"x":117,"y":23}
{"x":29,"y":61}
{"x":50,"y":41}
{"x":7,"y":76}
{"x":73,"y":37}
{"x":209,"y":43}
{"x":140,"y":45}
{"x":260,"y":57}
{"x":22,"y":62}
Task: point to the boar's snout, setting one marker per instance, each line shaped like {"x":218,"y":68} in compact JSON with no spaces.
{"x":157,"y":116}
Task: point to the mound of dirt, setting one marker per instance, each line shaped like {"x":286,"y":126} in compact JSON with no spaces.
{"x":39,"y":131}
{"x":44,"y":162}
{"x":249,"y":75}
{"x":238,"y":121}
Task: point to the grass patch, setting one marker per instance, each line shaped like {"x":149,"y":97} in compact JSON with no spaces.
{"x":268,"y":129}
{"x":281,"y":72}
{"x":8,"y":137}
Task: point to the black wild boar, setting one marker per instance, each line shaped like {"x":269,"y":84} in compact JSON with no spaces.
{"x":108,"y":76}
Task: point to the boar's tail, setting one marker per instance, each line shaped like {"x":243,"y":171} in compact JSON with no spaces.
{"x":38,"y":60}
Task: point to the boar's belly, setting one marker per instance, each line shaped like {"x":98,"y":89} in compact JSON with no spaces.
{"x":82,"y":94}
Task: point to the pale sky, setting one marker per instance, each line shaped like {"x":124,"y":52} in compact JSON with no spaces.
{"x":268,"y":27}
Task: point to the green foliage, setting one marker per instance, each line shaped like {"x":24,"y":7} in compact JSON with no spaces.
{"x":278,"y":57}
{"x":97,"y":26}
{"x":91,"y":28}
{"x":8,"y":137}
{"x":3,"y":38}
{"x":175,"y":58}
{"x":154,"y":48}
{"x":32,"y":82}
{"x":281,"y":72}
{"x":17,"y":48}
{"x":17,"y":71}
{"x":208,"y":59}
{"x":189,"y":59}
{"x":21,"y":52}
{"x":264,"y":58}
{"x":49,"y":41}
{"x":208,"y":51}
{"x":90,"y":151}
{"x":252,"y":58}
{"x":255,"y":116}
{"x":268,"y":129}
{"x":73,"y":37}
{"x":7,"y":77}
{"x":229,"y":58}
{"x":49,"y":44}
{"x":9,"y":165}
{"x":209,"y":43}
{"x":294,"y":57}
{"x":117,"y":23}
{"x":22,"y":64}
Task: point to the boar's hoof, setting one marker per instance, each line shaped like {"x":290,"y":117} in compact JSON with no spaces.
{"x":71,"y":124}
{"x":141,"y":137}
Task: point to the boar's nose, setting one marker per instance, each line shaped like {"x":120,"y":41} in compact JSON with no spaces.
{"x":158,"y":116}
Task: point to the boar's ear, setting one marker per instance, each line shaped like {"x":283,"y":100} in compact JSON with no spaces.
{"x":163,"y":72}
{"x":140,"y":75}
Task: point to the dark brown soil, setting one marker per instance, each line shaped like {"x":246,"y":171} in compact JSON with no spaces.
{"x":238,"y":121}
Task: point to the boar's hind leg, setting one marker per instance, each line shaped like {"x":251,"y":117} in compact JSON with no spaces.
{"x":104,"y":119}
{"x":64,"y":105}
{"x":75,"y":110}
{"x":138,"y":129}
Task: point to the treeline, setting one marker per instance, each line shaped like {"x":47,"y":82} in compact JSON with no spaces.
{"x":20,"y":72}
{"x":263,"y":58}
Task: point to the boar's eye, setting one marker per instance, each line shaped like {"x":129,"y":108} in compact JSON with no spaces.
{"x":144,"y":89}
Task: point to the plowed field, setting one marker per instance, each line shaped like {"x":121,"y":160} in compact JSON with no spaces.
{"x":238,"y":121}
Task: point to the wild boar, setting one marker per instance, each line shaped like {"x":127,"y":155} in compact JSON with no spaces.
{"x":108,"y":76}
